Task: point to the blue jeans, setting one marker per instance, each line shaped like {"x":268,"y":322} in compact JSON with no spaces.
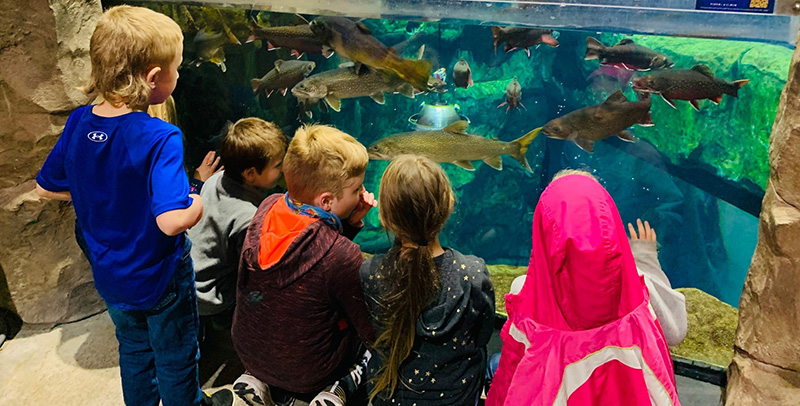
{"x":158,"y":349}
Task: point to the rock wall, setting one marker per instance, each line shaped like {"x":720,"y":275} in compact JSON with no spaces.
{"x":43,"y":59}
{"x":766,"y":363}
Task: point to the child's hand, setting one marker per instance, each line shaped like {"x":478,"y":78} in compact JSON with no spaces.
{"x":367,"y":202}
{"x":645,"y":232}
{"x":208,"y":167}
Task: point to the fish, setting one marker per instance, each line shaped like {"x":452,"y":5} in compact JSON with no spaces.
{"x":462,"y":74}
{"x":283,"y":76}
{"x":517,"y":37}
{"x":354,"y":41}
{"x":626,"y":54}
{"x":453,"y":145}
{"x":688,"y":84}
{"x":601,"y":121}
{"x":609,"y":78}
{"x":513,"y":96}
{"x":209,"y":46}
{"x":347,"y":82}
{"x":299,"y":38}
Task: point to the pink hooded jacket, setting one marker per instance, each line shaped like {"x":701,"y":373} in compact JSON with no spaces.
{"x":581,"y":331}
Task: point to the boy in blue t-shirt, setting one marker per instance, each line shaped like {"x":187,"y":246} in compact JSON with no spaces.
{"x":123,"y":171}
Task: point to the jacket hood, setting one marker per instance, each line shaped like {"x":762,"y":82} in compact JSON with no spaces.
{"x":284,"y":244}
{"x":581,"y":274}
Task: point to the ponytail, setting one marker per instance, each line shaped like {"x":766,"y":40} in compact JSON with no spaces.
{"x":415,"y":196}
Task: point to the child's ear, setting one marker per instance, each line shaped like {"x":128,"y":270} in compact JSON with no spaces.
{"x":151,"y":76}
{"x":324,"y":200}
{"x":249,"y":174}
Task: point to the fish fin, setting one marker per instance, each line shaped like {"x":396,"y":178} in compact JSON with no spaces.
{"x":737,"y":84}
{"x":502,"y":104}
{"x":345,"y":65}
{"x":255,"y":84}
{"x":420,"y":52}
{"x":459,"y":127}
{"x":528,"y":52}
{"x":625,"y":41}
{"x":703,"y":69}
{"x":297,"y":54}
{"x":740,"y":83}
{"x":250,"y":39}
{"x":269,"y":93}
{"x":406,"y":90}
{"x":324,"y":107}
{"x":695,"y":104}
{"x":626,"y":136}
{"x":508,"y":48}
{"x":270,"y":47}
{"x":585,"y":144}
{"x":222,"y":66}
{"x":360,"y":68}
{"x":334,"y":102}
{"x":593,"y":48}
{"x":283,"y":92}
{"x":412,"y":71}
{"x":523,"y":106}
{"x":298,"y":20}
{"x":495,"y":162}
{"x":521,"y":145}
{"x":278,"y":64}
{"x":627,"y":67}
{"x":716,"y":100}
{"x":647,"y":121}
{"x":465,"y":164}
{"x":669,"y":101}
{"x":309,"y":114}
{"x":363,"y":28}
{"x":378,"y":97}
{"x":327,"y":51}
{"x":232,"y":38}
{"x":470,"y":82}
{"x":616,"y":98}
{"x":496,"y":35}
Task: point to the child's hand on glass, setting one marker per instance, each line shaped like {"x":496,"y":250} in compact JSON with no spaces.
{"x":645,"y":232}
{"x":366,"y":203}
{"x":208,"y":167}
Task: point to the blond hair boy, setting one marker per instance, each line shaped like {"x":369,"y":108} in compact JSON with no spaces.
{"x":123,"y":171}
{"x":300,"y":315}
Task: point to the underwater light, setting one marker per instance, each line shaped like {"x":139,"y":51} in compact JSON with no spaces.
{"x":435,"y":117}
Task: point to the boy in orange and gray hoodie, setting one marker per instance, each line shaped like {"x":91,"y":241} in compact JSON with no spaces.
{"x":301,"y":320}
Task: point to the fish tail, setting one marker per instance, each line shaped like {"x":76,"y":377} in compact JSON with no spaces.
{"x":416,"y":72}
{"x":594,"y":48}
{"x":736,"y":85}
{"x":521,"y":145}
{"x":496,"y":36}
{"x":255,"y":84}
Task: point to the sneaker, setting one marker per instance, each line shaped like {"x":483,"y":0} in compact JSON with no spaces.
{"x":252,"y":391}
{"x":332,"y":396}
{"x":222,"y":397}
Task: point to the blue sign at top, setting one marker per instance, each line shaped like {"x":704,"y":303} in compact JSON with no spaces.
{"x":742,"y":6}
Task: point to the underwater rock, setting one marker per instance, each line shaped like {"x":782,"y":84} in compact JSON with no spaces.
{"x":711,"y":329}
{"x":43,"y":57}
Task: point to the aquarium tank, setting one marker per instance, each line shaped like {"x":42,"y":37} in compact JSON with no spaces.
{"x":696,"y":167}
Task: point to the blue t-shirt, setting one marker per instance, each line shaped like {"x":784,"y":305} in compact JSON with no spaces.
{"x":122,"y":172}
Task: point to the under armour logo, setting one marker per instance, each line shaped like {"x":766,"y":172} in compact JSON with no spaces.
{"x":97,"y":136}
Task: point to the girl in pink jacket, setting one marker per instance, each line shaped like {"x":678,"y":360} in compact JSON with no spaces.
{"x":581,"y":330}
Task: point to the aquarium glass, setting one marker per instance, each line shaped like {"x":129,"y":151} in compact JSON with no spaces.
{"x":698,"y":177}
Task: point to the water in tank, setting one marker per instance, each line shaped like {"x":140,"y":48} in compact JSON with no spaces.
{"x":678,"y":134}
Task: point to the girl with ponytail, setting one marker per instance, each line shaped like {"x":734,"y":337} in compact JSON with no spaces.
{"x":433,"y":307}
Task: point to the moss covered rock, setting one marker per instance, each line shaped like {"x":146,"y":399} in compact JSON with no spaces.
{"x":712,"y":328}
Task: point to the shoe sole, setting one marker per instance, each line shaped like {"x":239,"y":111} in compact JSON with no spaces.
{"x":247,"y":394}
